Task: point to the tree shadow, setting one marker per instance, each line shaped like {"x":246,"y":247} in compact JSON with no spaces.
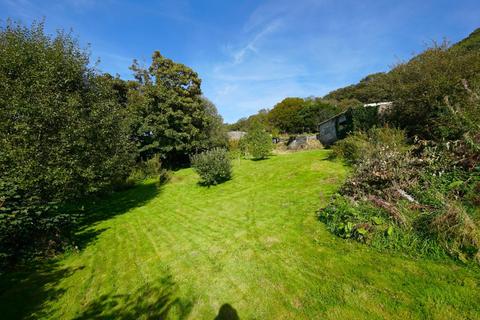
{"x":151,"y":301}
{"x":332,"y":157}
{"x":227,"y":312}
{"x":110,"y":206}
{"x":25,"y":289}
{"x":22,"y":293}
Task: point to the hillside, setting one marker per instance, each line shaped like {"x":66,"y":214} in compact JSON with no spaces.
{"x":472,"y":42}
{"x":376,"y":87}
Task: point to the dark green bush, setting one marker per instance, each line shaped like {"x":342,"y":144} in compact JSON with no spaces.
{"x":365,"y":118}
{"x":213,"y":166}
{"x":63,"y":136}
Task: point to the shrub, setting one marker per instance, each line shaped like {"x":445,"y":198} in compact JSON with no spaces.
{"x":149,"y":169}
{"x":360,"y":145}
{"x":351,"y":148}
{"x":235,"y":148}
{"x":63,"y":136}
{"x":385,"y":162}
{"x":212,"y":166}
{"x":414,"y":198}
{"x":257,"y":143}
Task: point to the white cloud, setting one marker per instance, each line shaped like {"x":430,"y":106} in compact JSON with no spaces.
{"x":261,"y":72}
{"x":251,"y":46}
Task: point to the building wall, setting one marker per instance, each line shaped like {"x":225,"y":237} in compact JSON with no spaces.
{"x":328,"y":132}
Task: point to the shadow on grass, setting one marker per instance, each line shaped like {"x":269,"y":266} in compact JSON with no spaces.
{"x":227,"y":312}
{"x":260,"y":159}
{"x":151,"y":301}
{"x":22,"y":293}
{"x":25,"y":290}
{"x":108,"y":207}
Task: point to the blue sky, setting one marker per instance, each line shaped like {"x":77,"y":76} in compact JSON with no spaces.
{"x":252,"y":54}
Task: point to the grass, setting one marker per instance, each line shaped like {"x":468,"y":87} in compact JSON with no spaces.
{"x":250,"y":248}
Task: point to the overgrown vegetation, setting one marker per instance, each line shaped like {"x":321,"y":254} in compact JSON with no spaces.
{"x":416,"y":197}
{"x":416,"y":188}
{"x":213,"y":166}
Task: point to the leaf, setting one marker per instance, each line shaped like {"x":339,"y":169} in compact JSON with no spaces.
{"x":349,"y":227}
{"x":377,"y":220}
{"x":455,"y":184}
{"x":389,"y":231}
{"x":362,"y":231}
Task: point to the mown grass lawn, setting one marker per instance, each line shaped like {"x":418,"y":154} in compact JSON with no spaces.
{"x":183,"y":251}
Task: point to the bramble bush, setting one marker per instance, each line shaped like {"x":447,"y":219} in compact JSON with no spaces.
{"x":436,"y":97}
{"x":416,"y":198}
{"x":213,"y":166}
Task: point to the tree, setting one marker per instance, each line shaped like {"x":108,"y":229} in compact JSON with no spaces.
{"x":213,"y":166}
{"x":258,"y":142}
{"x":214,"y":132}
{"x":62,"y":134}
{"x":285,"y":115}
{"x":245,"y":124}
{"x":170,"y":116}
{"x":314,"y":112}
{"x":372,"y":88}
{"x":427,"y":86}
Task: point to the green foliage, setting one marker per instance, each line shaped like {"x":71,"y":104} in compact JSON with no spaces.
{"x":170,"y":117}
{"x":351,"y":148}
{"x":313,"y":112}
{"x":245,"y":124}
{"x":285,"y":115}
{"x":297,"y":115}
{"x":149,"y":169}
{"x":420,"y":189}
{"x":471,"y":43}
{"x":293,"y":115}
{"x":360,"y":145}
{"x":385,"y":161}
{"x":214,"y":134}
{"x":63,"y":135}
{"x":372,"y":88}
{"x":426,"y":91}
{"x":429,"y":87}
{"x":213,"y":166}
{"x":348,"y":219}
{"x":257,"y":142}
{"x":364,"y":118}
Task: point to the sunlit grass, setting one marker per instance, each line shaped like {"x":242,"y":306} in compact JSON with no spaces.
{"x":183,"y":251}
